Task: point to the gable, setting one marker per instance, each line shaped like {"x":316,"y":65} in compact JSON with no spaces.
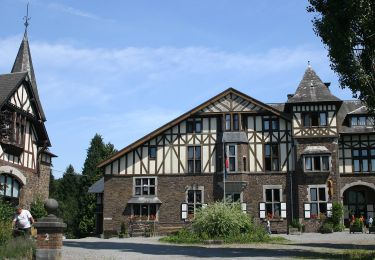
{"x":21,"y":99}
{"x":228,"y":100}
{"x":231,"y":103}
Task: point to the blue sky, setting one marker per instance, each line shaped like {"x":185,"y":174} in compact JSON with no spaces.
{"x":124,"y":68}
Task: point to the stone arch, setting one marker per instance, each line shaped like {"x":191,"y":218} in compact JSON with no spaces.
{"x":14,"y":172}
{"x":356,"y":183}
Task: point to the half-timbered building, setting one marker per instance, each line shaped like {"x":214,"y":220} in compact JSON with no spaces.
{"x":25,"y":159}
{"x":284,"y":161}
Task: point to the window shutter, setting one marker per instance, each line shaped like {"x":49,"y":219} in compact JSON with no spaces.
{"x":329,"y":210}
{"x":283,"y":210}
{"x":243,"y":207}
{"x":184,"y":208}
{"x":307,"y":209}
{"x":262,"y":210}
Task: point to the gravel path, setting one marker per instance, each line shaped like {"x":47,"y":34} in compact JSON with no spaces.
{"x":309,"y":245}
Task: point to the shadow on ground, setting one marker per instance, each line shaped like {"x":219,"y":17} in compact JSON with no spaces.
{"x":197,"y":251}
{"x":337,"y":246}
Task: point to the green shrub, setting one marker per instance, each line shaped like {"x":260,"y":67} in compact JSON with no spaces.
{"x":7,"y":211}
{"x":37,"y":209}
{"x":5,"y":231}
{"x":337,"y":214}
{"x":18,"y":248}
{"x":326,"y":228}
{"x":183,"y":236}
{"x":358,"y":223}
{"x":221,"y":220}
{"x":296,"y":224}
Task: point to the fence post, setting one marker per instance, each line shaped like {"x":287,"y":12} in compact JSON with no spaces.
{"x":49,"y":233}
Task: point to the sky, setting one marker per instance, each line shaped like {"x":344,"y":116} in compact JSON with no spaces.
{"x":123,"y":68}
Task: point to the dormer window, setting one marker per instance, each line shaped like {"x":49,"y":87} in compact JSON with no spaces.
{"x":362,"y":121}
{"x":314,"y":119}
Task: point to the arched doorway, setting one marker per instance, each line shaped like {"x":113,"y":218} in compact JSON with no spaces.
{"x":359,"y":201}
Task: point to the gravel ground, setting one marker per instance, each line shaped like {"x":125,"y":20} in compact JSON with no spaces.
{"x":309,"y":245}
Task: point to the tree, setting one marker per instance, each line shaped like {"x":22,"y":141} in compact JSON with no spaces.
{"x":97,"y":152}
{"x":67,"y":194}
{"x":347,"y":28}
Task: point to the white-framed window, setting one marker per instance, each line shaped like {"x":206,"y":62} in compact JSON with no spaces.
{"x":316,"y":163}
{"x":145,"y":186}
{"x":194,"y":159}
{"x":272,"y":206}
{"x":318,"y":200}
{"x":147,"y":212}
{"x":233,"y":197}
{"x":362,"y":120}
{"x":231,"y":153}
{"x":194,"y":200}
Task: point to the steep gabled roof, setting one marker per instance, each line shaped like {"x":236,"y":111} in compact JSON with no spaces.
{"x":312,"y":89}
{"x":23,"y":63}
{"x":8,"y":84}
{"x":194,"y":111}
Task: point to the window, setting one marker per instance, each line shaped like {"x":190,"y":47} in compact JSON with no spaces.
{"x":363,"y":160}
{"x":194,"y":159}
{"x":316,"y":163}
{"x":314,"y":119}
{"x":194,"y":199}
{"x":227,"y":122}
{"x":152,"y":152}
{"x":271,"y":157}
{"x":244,"y":162}
{"x":231,"y":153}
{"x":236,"y":124}
{"x":233,"y":197}
{"x":232,"y":122}
{"x":194,"y":125}
{"x":270,"y":124}
{"x":144,"y":186}
{"x":9,"y":188}
{"x":362,"y":121}
{"x":318,"y":201}
{"x":144,"y":211}
{"x":273,"y":203}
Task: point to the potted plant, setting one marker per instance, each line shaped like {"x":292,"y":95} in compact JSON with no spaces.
{"x":356,"y":226}
{"x":123,"y":232}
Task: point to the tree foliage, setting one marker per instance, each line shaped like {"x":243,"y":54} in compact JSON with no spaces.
{"x":347,"y":28}
{"x":97,"y":152}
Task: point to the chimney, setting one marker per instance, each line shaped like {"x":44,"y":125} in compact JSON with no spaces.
{"x":290,"y":95}
{"x":327,"y":84}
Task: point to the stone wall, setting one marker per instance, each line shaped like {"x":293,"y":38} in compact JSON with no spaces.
{"x":171,"y":190}
{"x":37,"y":183}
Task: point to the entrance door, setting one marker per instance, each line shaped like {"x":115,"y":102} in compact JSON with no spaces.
{"x":356,"y":203}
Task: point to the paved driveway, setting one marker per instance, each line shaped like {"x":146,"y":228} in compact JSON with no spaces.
{"x":307,"y":246}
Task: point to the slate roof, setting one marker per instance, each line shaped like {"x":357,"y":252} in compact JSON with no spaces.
{"x":312,"y":89}
{"x":352,"y":107}
{"x":8,"y":82}
{"x":23,"y":63}
{"x":97,"y":187}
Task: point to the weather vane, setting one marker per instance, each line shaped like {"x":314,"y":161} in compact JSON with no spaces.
{"x":27,"y":18}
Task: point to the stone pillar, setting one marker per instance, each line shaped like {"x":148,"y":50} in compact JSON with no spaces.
{"x":49,"y":233}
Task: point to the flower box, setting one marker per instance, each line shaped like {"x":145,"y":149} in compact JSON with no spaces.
{"x":354,"y":229}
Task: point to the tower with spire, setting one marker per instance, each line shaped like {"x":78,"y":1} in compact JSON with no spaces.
{"x":25,"y":159}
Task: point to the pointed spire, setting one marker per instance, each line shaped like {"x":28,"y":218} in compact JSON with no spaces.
{"x":23,"y":63}
{"x":312,"y":89}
